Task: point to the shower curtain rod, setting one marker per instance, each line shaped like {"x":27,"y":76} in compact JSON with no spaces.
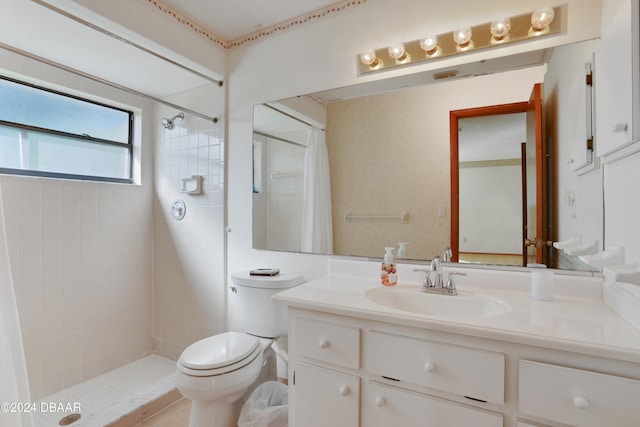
{"x":266,"y":135}
{"x":291,"y":116}
{"x":104,"y":81}
{"x":124,"y":40}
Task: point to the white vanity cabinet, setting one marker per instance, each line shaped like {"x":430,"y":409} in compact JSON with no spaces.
{"x":617,"y":81}
{"x":349,"y":372}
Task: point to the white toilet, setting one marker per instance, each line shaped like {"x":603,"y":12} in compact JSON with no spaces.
{"x":216,"y":372}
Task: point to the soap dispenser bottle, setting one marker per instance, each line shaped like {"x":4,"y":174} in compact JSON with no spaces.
{"x":388,"y":276}
{"x":402,"y":249}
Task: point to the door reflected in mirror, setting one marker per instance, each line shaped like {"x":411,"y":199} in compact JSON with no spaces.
{"x":497,"y":184}
{"x":491,"y":196}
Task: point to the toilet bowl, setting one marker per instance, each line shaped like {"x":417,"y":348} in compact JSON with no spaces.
{"x":218,"y":373}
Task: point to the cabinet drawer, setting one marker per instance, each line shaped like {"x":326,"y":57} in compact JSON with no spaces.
{"x":327,"y":342}
{"x":464,"y":371}
{"x":389,"y":406}
{"x":323,"y":397}
{"x":577,"y":397}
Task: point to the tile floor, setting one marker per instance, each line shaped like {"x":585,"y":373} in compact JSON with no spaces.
{"x":176,"y":415}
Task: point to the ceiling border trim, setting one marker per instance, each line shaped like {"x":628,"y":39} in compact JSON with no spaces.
{"x":295,"y":22}
{"x":160,"y":6}
{"x":265,"y":32}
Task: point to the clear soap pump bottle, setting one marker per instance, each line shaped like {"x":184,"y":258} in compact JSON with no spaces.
{"x":388,"y":276}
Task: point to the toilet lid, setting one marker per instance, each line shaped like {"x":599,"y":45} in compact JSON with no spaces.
{"x":280,"y":281}
{"x":218,"y":351}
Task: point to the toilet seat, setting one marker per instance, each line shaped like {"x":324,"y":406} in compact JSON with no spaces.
{"x":219,"y":354}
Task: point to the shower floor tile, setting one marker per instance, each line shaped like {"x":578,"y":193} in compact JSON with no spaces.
{"x":110,"y":397}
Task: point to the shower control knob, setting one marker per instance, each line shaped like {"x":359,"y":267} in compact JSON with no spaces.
{"x":324,"y":343}
{"x":178,"y":209}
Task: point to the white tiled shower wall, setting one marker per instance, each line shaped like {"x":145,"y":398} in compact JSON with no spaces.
{"x":189,"y":259}
{"x":81,"y":255}
{"x":81,"y":264}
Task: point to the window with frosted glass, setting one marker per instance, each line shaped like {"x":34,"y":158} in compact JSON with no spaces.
{"x":48,"y":133}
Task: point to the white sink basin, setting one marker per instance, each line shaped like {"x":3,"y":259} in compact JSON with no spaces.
{"x":465,"y":304}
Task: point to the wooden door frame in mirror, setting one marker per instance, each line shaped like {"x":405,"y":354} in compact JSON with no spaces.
{"x":454,"y":116}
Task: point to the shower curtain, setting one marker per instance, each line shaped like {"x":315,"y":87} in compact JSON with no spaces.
{"x":14,"y":388}
{"x":317,"y":232}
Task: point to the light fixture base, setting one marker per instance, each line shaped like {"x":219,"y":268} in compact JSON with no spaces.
{"x":520,"y":31}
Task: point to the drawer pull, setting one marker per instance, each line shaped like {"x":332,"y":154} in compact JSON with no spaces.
{"x":324,"y":343}
{"x":581,"y":402}
{"x":379,"y":401}
{"x":620,"y":127}
{"x":430,"y":366}
{"x":344,"y":390}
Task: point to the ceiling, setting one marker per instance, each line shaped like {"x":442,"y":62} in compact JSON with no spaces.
{"x":235,"y":19}
{"x":55,"y":35}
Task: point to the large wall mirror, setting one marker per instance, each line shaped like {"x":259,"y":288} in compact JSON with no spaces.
{"x":386,"y":172}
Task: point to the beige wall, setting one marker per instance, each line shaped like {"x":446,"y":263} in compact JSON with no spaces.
{"x":390,"y":153}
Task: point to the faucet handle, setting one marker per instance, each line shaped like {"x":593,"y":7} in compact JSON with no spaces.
{"x":451,"y":286}
{"x":426,"y":282}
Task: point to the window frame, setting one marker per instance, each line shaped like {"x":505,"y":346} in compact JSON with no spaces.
{"x":79,"y":137}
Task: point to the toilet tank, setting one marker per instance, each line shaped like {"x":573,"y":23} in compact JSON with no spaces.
{"x":256,"y":313}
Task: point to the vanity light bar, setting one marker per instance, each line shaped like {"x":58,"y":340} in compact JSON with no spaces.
{"x":521,"y":29}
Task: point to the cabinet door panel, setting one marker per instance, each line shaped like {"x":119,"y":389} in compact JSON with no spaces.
{"x":385,"y":406}
{"x":616,"y":80}
{"x":324,"y":397}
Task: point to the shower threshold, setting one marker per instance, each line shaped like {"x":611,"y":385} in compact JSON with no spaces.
{"x":123,"y":397}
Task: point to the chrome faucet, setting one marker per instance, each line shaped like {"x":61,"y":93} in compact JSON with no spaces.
{"x":437,"y":287}
{"x":436,"y":266}
{"x":448,"y":253}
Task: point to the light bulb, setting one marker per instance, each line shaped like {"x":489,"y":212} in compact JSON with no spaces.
{"x":429,"y":43}
{"x":500,"y":28}
{"x":541,"y":18}
{"x":368,"y":57}
{"x":398,"y":52}
{"x":462,"y":37}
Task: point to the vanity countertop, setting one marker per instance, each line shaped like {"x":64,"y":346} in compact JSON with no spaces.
{"x":578,"y":323}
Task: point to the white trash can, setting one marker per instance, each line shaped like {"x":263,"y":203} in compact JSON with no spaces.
{"x":268,"y":406}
